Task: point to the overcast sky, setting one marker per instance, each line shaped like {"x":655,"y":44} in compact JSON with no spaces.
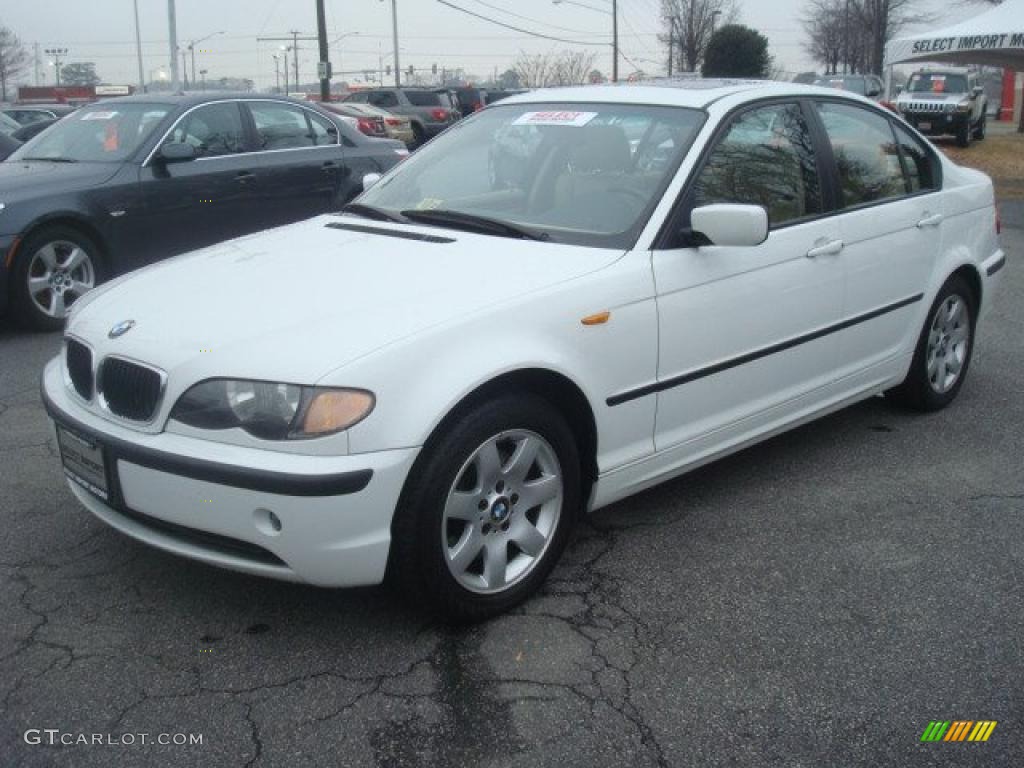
{"x":102,"y":31}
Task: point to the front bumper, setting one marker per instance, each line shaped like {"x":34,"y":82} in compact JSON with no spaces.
{"x":937,"y":123}
{"x":211,"y":501}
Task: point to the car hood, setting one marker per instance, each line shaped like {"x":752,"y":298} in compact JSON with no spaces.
{"x":23,"y":179}
{"x":294,"y":303}
{"x":942,"y":98}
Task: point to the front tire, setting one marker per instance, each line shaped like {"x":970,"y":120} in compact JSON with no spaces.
{"x":488,"y":509}
{"x":981,"y":130}
{"x":55,"y":267}
{"x":963,"y":135}
{"x":943,"y":352}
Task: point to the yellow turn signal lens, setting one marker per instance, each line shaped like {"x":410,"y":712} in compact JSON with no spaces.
{"x":333,"y":410}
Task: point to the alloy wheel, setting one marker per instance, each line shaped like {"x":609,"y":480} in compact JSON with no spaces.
{"x":502,"y":511}
{"x":949,"y":338}
{"x":59,"y":273}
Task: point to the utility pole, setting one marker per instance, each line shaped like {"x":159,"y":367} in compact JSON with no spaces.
{"x":615,"y":41}
{"x":138,"y":49}
{"x":184,"y":72}
{"x":172,"y":27}
{"x":394,"y":35}
{"x":277,"y":72}
{"x":671,"y":43}
{"x":56,"y":53}
{"x":294,"y":38}
{"x":324,"y":68}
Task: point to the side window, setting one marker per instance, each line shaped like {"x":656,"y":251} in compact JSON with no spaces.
{"x":384,"y":99}
{"x":919,"y":164}
{"x":323,"y":130}
{"x":766,"y":159}
{"x":358,"y":98}
{"x":865,"y":151}
{"x":281,"y":126}
{"x":213,"y":130}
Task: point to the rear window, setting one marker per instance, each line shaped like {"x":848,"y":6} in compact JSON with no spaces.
{"x":423,"y":98}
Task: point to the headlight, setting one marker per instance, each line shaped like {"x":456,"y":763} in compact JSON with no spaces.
{"x":270,"y":410}
{"x":963,"y":106}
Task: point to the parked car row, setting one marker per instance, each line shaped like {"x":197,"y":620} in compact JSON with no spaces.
{"x":125,"y":182}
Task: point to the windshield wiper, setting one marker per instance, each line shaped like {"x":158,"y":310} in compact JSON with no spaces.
{"x":52,"y":159}
{"x":474,"y":223}
{"x":371,"y":212}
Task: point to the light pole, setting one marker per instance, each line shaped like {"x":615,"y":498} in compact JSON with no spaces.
{"x":192,"y":50}
{"x":614,"y":13}
{"x":138,"y":49}
{"x":202,"y":74}
{"x":284,"y":56}
{"x":394,"y":35}
{"x":172,"y":28}
{"x":277,"y":72}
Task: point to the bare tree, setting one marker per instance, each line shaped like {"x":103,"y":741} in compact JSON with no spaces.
{"x":690,"y":24}
{"x":551,"y":69}
{"x":824,"y":29}
{"x":13,"y":59}
{"x":852,"y":34}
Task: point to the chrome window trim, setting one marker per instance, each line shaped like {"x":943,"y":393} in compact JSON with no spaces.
{"x":102,"y":401}
{"x":149,"y":158}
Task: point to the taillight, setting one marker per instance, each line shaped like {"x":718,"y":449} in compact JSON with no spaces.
{"x":439,"y":114}
{"x":392,"y":121}
{"x":999,"y":222}
{"x":366,"y":126}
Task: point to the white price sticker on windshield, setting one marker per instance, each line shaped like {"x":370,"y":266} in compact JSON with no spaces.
{"x":555,"y":117}
{"x":99,"y":115}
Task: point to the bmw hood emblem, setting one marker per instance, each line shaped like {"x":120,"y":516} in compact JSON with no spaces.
{"x":121,"y":329}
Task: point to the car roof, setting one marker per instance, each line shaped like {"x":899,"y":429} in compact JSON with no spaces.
{"x":193,"y":99}
{"x":696,"y":93}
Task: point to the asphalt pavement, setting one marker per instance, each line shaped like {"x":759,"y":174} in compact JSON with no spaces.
{"x":814,"y":601}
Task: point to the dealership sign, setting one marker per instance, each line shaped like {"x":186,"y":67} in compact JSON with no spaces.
{"x":970,"y":43}
{"x":113,"y":90}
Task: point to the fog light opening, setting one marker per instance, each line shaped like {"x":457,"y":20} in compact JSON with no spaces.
{"x":267,"y":522}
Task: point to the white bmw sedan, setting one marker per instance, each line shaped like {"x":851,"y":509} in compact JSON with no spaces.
{"x":567,"y":298}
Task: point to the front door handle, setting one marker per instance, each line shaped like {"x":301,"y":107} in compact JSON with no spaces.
{"x":245,"y":177}
{"x":831,"y":248}
{"x":329,"y":167}
{"x":930,"y":221}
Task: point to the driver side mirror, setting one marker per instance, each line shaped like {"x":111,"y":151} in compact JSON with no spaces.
{"x":176,"y":152}
{"x":369,"y":180}
{"x":727,"y":224}
{"x":976,"y":91}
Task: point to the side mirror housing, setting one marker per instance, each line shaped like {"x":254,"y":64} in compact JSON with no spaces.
{"x":177,"y":152}
{"x":726,"y":224}
{"x":873,"y":92}
{"x":899,"y":90}
{"x":370,"y":179}
{"x":977,"y":91}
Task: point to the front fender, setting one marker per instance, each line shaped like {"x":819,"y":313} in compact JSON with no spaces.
{"x":418,"y":381}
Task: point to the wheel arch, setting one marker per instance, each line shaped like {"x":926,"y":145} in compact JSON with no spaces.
{"x":558,"y":389}
{"x":971,"y":275}
{"x":72,"y":220}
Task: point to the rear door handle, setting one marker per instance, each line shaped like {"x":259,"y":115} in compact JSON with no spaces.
{"x":329,"y":167}
{"x":244,"y":177}
{"x":831,"y":248}
{"x":930,"y":221}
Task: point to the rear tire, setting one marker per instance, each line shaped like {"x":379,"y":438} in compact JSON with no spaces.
{"x":419,"y":135}
{"x":487,"y":510}
{"x":55,"y":266}
{"x":943,"y":353}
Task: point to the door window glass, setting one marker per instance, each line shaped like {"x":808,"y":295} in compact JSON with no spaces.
{"x":323,"y":130}
{"x":281,"y":126}
{"x":766,"y":158}
{"x":865,"y":152}
{"x":213,"y":130}
{"x":921,"y":167}
{"x":384,"y":99}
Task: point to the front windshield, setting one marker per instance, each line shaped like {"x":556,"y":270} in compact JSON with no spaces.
{"x":573,"y":173}
{"x":102,"y":133}
{"x":937,"y":84}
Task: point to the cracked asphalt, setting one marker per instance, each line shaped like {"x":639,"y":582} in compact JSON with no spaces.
{"x":812,"y":601}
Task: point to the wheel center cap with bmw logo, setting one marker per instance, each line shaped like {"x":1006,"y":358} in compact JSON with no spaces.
{"x":500,"y":510}
{"x":121,"y":329}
